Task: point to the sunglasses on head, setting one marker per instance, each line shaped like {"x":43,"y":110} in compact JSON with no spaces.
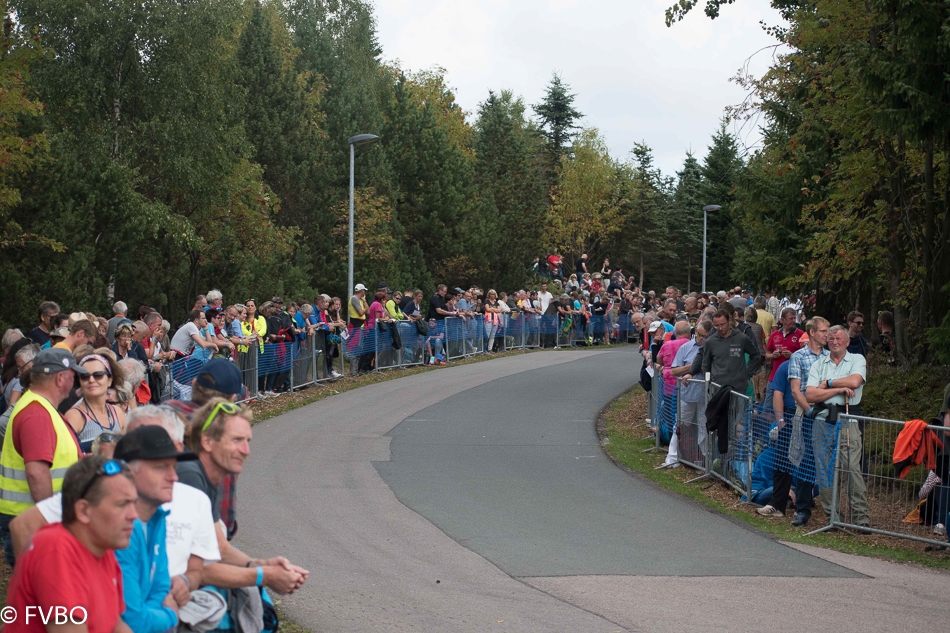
{"x":229,"y":408}
{"x":98,"y":375}
{"x":109,"y":469}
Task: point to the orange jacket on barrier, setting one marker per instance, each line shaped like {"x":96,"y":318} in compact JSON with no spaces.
{"x":916,"y":444}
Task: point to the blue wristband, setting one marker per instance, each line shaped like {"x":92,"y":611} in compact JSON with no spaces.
{"x":260,"y":577}
{"x":831,"y":383}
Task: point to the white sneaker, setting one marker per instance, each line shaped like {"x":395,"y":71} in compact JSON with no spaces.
{"x":769,"y":511}
{"x":940,"y":529}
{"x":336,"y":374}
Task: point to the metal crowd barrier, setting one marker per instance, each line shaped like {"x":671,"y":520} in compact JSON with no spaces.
{"x":868,"y":495}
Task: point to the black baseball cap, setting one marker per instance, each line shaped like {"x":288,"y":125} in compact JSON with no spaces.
{"x":149,"y":442}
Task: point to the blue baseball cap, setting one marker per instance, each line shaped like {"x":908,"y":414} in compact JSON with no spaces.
{"x":221,"y":375}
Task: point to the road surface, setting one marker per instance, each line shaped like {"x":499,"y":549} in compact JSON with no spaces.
{"x":478,"y":498}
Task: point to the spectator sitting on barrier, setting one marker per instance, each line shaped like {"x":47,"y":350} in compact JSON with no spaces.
{"x":435,"y":344}
{"x":72,"y":564}
{"x":190,"y":335}
{"x":92,"y":415}
{"x":835,"y":385}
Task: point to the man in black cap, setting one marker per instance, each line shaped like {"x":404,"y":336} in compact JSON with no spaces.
{"x":152,"y":457}
{"x":39,"y":446}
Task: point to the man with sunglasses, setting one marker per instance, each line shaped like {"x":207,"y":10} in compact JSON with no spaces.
{"x":72,"y":564}
{"x":38,"y":446}
{"x":220,"y":436}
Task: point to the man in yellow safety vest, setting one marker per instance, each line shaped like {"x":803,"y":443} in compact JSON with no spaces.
{"x":39,"y":446}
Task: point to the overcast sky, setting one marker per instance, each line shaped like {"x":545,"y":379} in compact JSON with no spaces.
{"x":635,"y":79}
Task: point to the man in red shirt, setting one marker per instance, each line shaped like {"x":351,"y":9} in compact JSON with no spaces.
{"x":784,"y":341}
{"x":69,"y":576}
{"x":554,"y":263}
{"x":39,"y":445}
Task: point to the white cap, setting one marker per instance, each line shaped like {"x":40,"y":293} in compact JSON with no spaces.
{"x":359,"y":287}
{"x":656,"y":325}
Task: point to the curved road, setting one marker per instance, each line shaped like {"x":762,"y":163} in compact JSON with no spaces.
{"x":478,"y":497}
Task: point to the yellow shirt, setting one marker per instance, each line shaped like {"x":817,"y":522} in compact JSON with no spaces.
{"x":766,"y":320}
{"x":62,"y":345}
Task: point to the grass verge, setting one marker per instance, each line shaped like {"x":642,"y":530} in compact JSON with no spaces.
{"x":625,"y":439}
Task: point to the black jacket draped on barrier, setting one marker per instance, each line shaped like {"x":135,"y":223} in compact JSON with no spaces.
{"x":717,"y":417}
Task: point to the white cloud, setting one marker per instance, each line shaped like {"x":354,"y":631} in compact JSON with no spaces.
{"x":635,"y":79}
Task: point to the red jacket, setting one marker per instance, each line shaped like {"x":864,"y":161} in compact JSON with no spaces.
{"x":916,"y":444}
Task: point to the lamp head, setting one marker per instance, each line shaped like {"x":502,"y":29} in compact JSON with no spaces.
{"x":712,"y":207}
{"x":362,"y":139}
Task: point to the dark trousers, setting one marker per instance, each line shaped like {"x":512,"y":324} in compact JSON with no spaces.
{"x":7,"y":541}
{"x":782,"y":478}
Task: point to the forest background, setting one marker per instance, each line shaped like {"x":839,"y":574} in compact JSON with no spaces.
{"x":152,"y":150}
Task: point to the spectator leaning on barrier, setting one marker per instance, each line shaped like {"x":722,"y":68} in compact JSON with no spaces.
{"x":72,"y":564}
{"x":724,"y":355}
{"x":799,"y":365}
{"x":38,"y":446}
{"x":835,"y":385}
{"x":190,"y":335}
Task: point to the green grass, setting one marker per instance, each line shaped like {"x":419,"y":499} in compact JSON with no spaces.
{"x":904,"y":393}
{"x":627,"y":449}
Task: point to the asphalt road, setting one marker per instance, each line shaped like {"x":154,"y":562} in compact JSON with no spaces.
{"x":478,"y":497}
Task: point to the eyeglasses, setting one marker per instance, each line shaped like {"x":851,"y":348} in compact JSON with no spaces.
{"x":109,"y":437}
{"x":229,"y":408}
{"x":98,"y":375}
{"x":109,"y":469}
{"x":858,"y":322}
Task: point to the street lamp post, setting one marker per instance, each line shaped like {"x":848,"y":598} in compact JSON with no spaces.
{"x":359,"y":139}
{"x":706,"y":209}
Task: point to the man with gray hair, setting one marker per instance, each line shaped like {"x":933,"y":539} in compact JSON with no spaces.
{"x":120,"y":312}
{"x":215,"y":299}
{"x":835,"y":385}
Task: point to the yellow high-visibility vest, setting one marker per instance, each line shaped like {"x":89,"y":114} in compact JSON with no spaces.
{"x":15,"y":495}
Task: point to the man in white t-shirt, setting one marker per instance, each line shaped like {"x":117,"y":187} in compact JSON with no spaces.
{"x":544,"y":297}
{"x":191,"y":334}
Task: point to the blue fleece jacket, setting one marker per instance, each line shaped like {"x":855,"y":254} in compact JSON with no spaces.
{"x":145,"y":581}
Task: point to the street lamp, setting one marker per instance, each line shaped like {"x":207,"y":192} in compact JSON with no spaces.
{"x":359,"y":139}
{"x":706,"y":209}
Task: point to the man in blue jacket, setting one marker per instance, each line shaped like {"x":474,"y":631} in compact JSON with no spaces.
{"x":152,"y":458}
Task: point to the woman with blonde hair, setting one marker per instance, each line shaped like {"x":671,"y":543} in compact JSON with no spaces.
{"x":492,"y":314}
{"x":92,"y":415}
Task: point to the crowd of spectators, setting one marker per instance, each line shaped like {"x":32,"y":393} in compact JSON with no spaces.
{"x":123,"y":504}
